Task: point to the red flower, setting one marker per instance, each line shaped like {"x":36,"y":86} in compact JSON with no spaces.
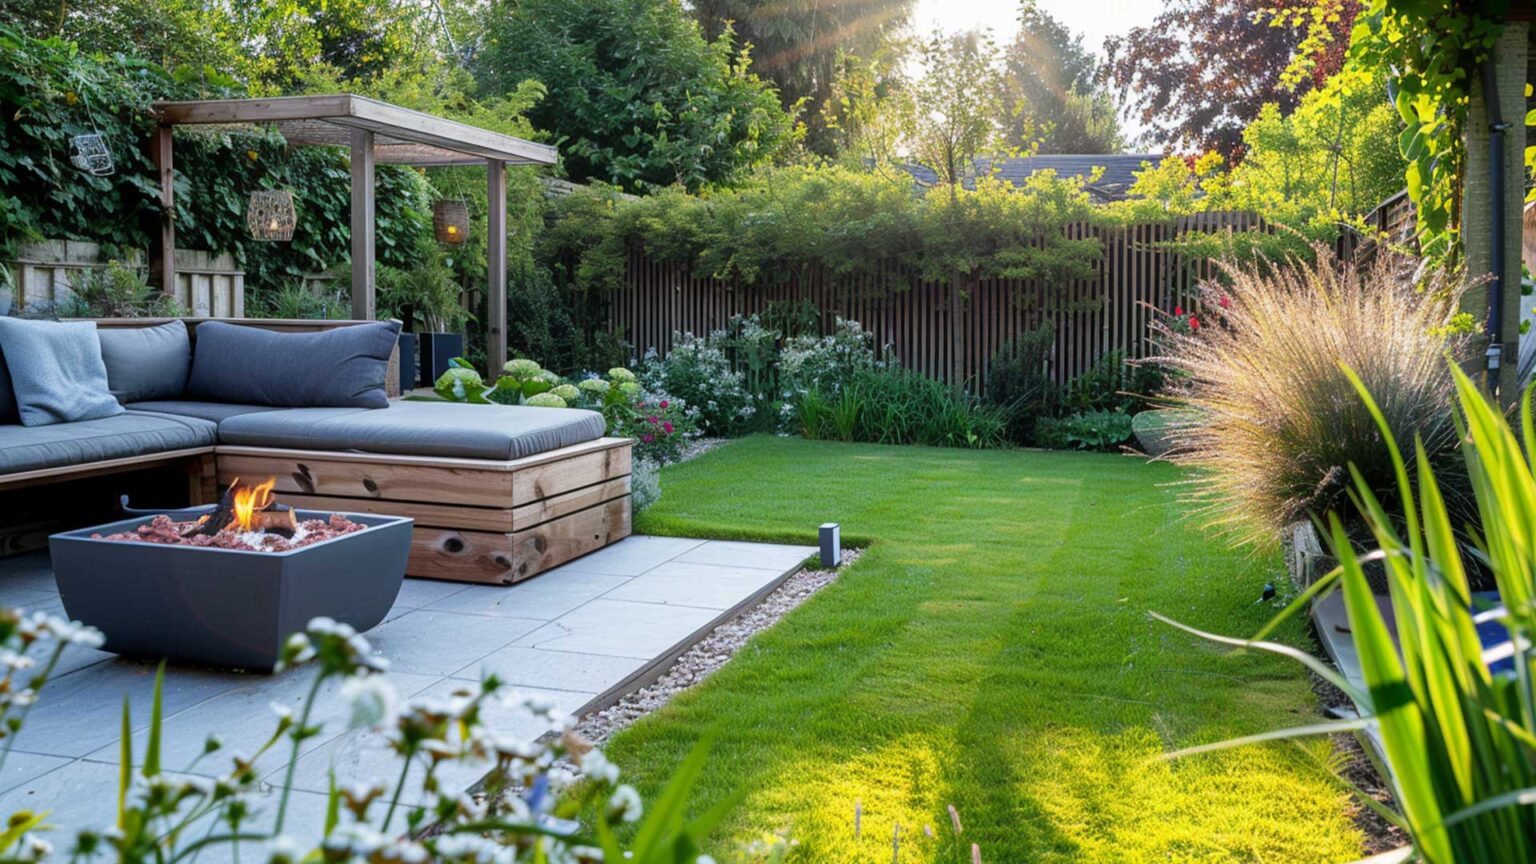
{"x":663,"y":404}
{"x":1178,"y":311}
{"x":1194,"y":323}
{"x":651,"y":420}
{"x":667,"y":426}
{"x":647,"y":438}
{"x":1226,"y":302}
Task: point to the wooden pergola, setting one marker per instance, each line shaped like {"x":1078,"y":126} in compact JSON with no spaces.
{"x":376,"y":133}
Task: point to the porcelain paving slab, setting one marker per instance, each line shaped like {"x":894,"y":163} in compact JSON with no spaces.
{"x":579,"y":635}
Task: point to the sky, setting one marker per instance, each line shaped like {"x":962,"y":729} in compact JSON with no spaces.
{"x":1094,"y":19}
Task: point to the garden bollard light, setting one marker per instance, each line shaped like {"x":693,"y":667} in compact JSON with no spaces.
{"x":831,"y":545}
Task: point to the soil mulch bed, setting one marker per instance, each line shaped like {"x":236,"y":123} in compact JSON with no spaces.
{"x":1356,"y":767}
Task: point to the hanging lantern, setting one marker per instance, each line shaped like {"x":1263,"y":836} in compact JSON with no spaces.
{"x":450,"y":220}
{"x":89,"y":153}
{"x":270,"y":214}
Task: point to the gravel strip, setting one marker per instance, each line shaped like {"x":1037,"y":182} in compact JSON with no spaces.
{"x":700,"y":661}
{"x":697,"y":447}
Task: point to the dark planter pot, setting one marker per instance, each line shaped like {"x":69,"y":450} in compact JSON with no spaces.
{"x":407,"y":370}
{"x":226,"y":607}
{"x":437,"y":349}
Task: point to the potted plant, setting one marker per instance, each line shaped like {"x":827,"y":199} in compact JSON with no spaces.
{"x":426,"y":299}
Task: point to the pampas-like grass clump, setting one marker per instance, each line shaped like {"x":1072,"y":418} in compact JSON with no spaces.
{"x":1280,"y":425}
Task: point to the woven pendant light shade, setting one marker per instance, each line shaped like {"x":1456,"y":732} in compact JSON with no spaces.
{"x":270,"y":214}
{"x":450,"y":220}
{"x":89,"y":153}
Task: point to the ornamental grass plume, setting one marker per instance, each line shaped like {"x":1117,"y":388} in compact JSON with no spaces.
{"x":1277,"y":423}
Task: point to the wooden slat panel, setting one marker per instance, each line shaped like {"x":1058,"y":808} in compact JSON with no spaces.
{"x":498,"y":519}
{"x":555,"y":542}
{"x":383,"y":480}
{"x":555,"y":478}
{"x":529,"y":515}
{"x":460,"y":556}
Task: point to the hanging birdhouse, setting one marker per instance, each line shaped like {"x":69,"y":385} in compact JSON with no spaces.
{"x":450,"y":220}
{"x":270,"y":215}
{"x":89,"y":153}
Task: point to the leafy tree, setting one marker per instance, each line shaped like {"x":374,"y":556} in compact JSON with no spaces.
{"x":170,"y":33}
{"x":286,"y":41}
{"x":954,"y":105}
{"x":1202,"y":71}
{"x":637,"y":96}
{"x":797,"y":44}
{"x":1049,"y":93}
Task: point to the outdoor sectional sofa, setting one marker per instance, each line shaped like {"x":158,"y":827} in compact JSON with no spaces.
{"x":498,"y":493}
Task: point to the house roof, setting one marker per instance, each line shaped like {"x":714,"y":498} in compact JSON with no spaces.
{"x":401,"y":136}
{"x":1113,"y":185}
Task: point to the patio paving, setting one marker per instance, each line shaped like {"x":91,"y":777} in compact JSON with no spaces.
{"x":582,"y":634}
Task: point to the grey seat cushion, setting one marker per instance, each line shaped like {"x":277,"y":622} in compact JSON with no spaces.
{"x":215,"y":411}
{"x":418,"y":429}
{"x":29,"y":448}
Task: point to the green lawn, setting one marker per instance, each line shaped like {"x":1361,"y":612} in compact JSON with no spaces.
{"x":992,"y":650}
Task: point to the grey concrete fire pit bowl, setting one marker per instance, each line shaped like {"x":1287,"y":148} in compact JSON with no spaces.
{"x":226,"y":607}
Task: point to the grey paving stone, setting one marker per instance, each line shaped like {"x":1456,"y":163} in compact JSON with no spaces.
{"x":81,"y":712}
{"x":244,"y":718}
{"x":25,"y":767}
{"x":633,"y":555}
{"x":708,"y":586}
{"x":546,"y":597}
{"x":78,"y":795}
{"x":555,"y":670}
{"x":620,"y":628}
{"x":420,"y":593}
{"x":769,"y":556}
{"x":441,"y":643}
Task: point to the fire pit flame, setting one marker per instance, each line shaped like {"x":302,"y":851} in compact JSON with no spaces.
{"x":247,"y":501}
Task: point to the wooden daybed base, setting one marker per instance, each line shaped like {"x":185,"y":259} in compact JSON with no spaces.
{"x":493,"y":522}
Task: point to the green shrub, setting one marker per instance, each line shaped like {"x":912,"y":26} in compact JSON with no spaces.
{"x":897,"y":406}
{"x":1459,"y":740}
{"x":1281,"y":427}
{"x":1019,"y":382}
{"x":1088,"y":430}
{"x":118,"y":290}
{"x":698,"y":371}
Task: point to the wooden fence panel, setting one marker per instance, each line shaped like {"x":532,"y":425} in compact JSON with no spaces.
{"x":45,"y":273}
{"x":1113,"y":310}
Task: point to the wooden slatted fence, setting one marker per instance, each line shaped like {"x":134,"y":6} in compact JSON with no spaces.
{"x":1113,"y":310}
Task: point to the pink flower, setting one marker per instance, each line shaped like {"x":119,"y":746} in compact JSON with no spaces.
{"x":667,"y":426}
{"x":1194,"y":323}
{"x":1226,"y":302}
{"x":663,"y":404}
{"x":652,"y":420}
{"x":648,"y":438}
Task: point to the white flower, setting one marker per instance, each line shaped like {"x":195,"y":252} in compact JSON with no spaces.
{"x":625,"y":804}
{"x":372,"y":700}
{"x":597,"y":766}
{"x":284,"y":850}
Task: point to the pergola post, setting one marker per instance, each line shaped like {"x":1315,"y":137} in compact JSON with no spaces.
{"x":363,"y":301}
{"x":496,"y":264}
{"x":166,"y":254}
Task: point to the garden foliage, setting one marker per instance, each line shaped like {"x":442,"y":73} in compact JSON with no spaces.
{"x":1459,"y":738}
{"x":1281,"y":431}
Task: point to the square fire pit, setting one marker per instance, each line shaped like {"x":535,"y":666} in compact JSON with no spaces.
{"x":226,"y":607}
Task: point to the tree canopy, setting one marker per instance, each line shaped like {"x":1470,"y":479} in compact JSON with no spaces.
{"x":637,"y":96}
{"x":1203,"y":70}
{"x":1049,"y":90}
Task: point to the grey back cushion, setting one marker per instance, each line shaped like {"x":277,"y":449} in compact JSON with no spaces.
{"x":340,"y":368}
{"x":56,"y":371}
{"x":146,"y":362}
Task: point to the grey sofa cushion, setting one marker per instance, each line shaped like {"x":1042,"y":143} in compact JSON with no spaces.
{"x":56,"y":371}
{"x":146,"y":362}
{"x":8,"y":410}
{"x":29,"y":448}
{"x":214,"y":411}
{"x":344,"y":367}
{"x":419,"y":429}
